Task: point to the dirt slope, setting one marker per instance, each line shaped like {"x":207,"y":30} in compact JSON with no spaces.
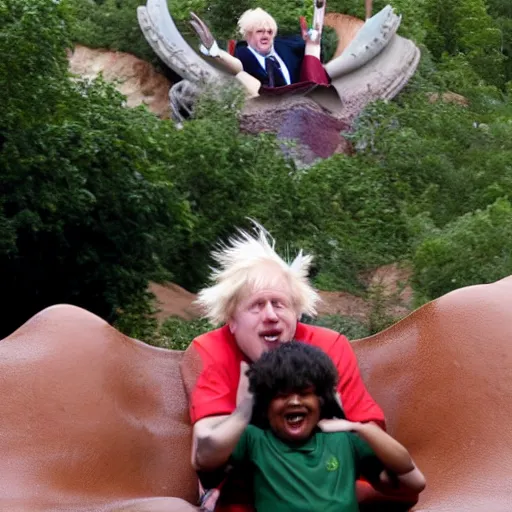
{"x":172,"y":300}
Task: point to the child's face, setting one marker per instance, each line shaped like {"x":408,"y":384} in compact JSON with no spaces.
{"x":293,"y":416}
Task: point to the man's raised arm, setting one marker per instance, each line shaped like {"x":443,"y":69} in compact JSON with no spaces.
{"x":215,"y":437}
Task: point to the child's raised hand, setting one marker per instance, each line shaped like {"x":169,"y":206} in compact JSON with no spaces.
{"x":243,"y":392}
{"x":336,"y":425}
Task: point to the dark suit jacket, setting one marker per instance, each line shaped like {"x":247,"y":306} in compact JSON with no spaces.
{"x":289,"y":48}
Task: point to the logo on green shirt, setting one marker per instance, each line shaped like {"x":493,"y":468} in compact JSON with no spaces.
{"x":332,"y":463}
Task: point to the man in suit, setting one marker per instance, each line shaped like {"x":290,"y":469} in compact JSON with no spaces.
{"x":277,"y":61}
{"x":264,"y":61}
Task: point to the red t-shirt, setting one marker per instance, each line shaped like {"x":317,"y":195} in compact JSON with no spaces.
{"x":216,"y":387}
{"x":215,"y":390}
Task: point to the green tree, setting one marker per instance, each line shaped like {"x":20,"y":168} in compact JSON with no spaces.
{"x":464,"y":26}
{"x":443,"y":158}
{"x":474,"y":249}
{"x":109,"y":24}
{"x":226,"y":176}
{"x":86,"y":205}
{"x":501,"y":10}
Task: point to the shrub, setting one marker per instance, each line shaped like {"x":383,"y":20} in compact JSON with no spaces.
{"x":177,"y":333}
{"x":350,"y":327}
{"x":473,"y":249}
{"x":110,"y":24}
{"x":86,"y":206}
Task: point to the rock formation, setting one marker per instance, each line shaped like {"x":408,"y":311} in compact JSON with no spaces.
{"x":371,"y":62}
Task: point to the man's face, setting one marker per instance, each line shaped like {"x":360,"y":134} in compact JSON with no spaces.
{"x":293,"y":416}
{"x":261,"y":40}
{"x":263,"y":319}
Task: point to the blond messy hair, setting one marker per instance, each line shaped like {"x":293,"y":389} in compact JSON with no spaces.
{"x":242,"y":265}
{"x":255,"y":19}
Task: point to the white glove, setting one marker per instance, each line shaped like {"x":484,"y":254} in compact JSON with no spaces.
{"x":211,"y":52}
{"x":313,"y":34}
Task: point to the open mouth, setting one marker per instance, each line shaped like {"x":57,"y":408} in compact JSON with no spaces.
{"x":271,"y":337}
{"x":295,"y":420}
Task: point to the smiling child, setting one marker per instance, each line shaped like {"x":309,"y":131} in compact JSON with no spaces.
{"x":304,"y":459}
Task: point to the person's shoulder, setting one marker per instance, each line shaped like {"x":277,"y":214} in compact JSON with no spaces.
{"x":360,"y":447}
{"x":254,"y":432}
{"x":345,"y":444}
{"x":294,"y":42}
{"x":320,"y":337}
{"x":241,"y":44}
{"x":220,"y":335}
{"x":335,"y":438}
{"x":255,"y":437}
{"x":218,"y":344}
{"x":241,"y":49}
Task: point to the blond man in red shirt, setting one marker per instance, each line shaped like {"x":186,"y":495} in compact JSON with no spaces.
{"x":259,"y":298}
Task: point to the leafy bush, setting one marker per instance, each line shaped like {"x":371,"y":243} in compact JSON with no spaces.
{"x":474,"y":249}
{"x":464,"y":26}
{"x":137,"y":319}
{"x":96,"y":199}
{"x":177,"y":334}
{"x":350,"y":327}
{"x":438,"y":156}
{"x":110,"y":24}
{"x":86,"y":206}
{"x":350,"y":218}
{"x":226,"y":176}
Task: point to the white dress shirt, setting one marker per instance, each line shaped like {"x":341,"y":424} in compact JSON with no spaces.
{"x":261,"y":60}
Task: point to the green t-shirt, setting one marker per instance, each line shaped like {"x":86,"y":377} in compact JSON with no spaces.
{"x":318,"y":476}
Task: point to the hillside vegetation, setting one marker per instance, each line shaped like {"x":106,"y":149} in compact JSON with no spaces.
{"x":97,"y":199}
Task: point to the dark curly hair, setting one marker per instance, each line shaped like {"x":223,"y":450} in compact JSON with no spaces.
{"x":293,"y":366}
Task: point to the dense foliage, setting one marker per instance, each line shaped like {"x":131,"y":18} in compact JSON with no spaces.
{"x":97,"y":199}
{"x":109,"y":24}
{"x":482,"y":240}
{"x":85,"y":203}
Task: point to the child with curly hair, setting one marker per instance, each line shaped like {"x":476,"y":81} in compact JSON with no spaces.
{"x":304,"y":455}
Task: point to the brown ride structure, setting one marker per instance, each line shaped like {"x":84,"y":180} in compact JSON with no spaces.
{"x":94,"y":421}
